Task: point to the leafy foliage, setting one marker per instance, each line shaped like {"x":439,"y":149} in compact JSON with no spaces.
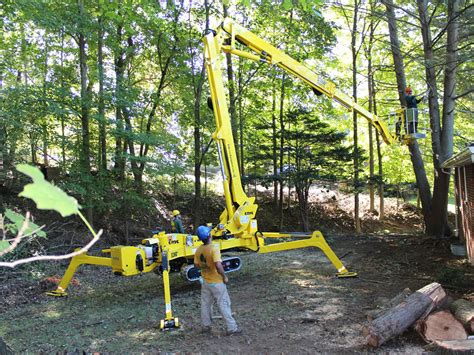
{"x":18,"y":220}
{"x":46,"y":195}
{"x":133,"y":111}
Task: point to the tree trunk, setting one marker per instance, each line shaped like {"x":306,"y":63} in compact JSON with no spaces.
{"x":231,"y":86}
{"x":441,"y":136}
{"x":45,"y":106}
{"x":197,"y":132}
{"x":3,"y":154}
{"x":119,"y":67}
{"x":379,"y":158}
{"x":303,"y":207}
{"x":354,"y":119}
{"x":101,"y":103}
{"x":85,"y":98}
{"x":370,"y":75}
{"x":380,"y":178}
{"x":432,"y":227}
{"x":205,"y":180}
{"x":415,"y":154}
{"x":62,"y":117}
{"x":274,"y":147}
{"x":399,"y":318}
{"x":129,"y":143}
{"x":282,"y":147}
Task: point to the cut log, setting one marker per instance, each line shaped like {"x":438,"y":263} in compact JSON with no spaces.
{"x":441,"y":326}
{"x":456,"y":345}
{"x":463,"y":310}
{"x":397,"y":319}
{"x":385,"y":304}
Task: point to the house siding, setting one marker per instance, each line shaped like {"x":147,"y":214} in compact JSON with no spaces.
{"x":464,"y":188}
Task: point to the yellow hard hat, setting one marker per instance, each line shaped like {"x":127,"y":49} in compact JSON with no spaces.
{"x":175,"y":213}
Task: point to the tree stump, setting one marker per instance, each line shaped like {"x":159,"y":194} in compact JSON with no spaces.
{"x":397,"y":319}
{"x":463,"y":310}
{"x":441,"y":326}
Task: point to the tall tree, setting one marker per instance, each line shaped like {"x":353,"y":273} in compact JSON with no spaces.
{"x":355,"y":48}
{"x":316,"y":152}
{"x":434,"y":208}
{"x":232,"y":94}
{"x":101,"y":104}
{"x":441,"y":123}
{"x":85,"y":104}
{"x":198,"y":83}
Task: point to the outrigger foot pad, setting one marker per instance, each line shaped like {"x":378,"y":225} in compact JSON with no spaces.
{"x":57,"y":293}
{"x":168,"y":324}
{"x":346,"y":274}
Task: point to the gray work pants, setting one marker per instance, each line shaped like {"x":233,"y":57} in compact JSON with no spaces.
{"x":217,"y":292}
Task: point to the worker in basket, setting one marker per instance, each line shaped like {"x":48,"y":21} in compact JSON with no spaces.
{"x":411,"y":113}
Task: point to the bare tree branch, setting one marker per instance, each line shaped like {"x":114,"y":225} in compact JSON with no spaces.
{"x":467,"y":92}
{"x":52,"y":257}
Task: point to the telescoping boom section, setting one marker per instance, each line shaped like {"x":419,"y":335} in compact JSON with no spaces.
{"x":237,"y":218}
{"x":237,"y":228}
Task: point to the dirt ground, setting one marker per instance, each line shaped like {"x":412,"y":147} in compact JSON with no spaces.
{"x":286,"y":302}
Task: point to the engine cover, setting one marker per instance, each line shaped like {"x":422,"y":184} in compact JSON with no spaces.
{"x":124,"y":260}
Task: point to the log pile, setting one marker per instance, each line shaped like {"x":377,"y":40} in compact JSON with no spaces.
{"x":421,"y":309}
{"x":463,"y":310}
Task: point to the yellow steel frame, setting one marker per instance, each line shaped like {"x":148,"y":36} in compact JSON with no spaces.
{"x":175,"y":246}
{"x":237,"y":228}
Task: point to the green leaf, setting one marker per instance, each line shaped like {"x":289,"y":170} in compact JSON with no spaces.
{"x":4,"y":245}
{"x":46,"y":195}
{"x":287,"y":5}
{"x":18,"y":220}
{"x":31,"y":171}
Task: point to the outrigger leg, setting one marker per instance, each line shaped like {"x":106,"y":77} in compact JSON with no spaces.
{"x":169,"y":322}
{"x":316,"y":240}
{"x":77,"y":261}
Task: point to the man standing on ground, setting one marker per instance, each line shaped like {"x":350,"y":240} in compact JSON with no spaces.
{"x":213,"y":285}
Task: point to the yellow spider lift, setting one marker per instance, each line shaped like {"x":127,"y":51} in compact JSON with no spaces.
{"x":237,"y":229}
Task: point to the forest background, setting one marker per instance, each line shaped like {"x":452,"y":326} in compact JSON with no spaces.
{"x":114,"y":94}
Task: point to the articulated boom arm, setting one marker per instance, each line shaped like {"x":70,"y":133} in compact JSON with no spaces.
{"x":237,"y":218}
{"x":272,"y":55}
{"x":240,"y":209}
{"x":268,"y":53}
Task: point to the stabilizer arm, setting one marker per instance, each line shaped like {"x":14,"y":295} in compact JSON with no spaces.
{"x":316,"y":240}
